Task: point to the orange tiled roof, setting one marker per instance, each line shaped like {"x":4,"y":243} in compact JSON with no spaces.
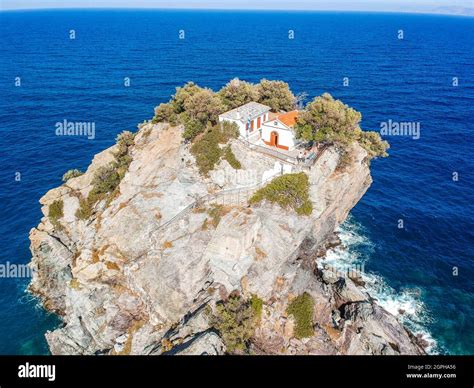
{"x":289,"y":118}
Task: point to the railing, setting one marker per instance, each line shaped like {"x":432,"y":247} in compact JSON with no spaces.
{"x":284,"y":157}
{"x":264,"y":150}
{"x":235,"y":196}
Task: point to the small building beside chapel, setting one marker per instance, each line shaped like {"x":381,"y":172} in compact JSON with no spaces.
{"x":248,"y":117}
{"x":257,"y":124}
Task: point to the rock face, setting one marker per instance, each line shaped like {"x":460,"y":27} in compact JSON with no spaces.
{"x":124,"y":285}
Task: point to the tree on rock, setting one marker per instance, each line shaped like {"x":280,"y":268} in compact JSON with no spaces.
{"x":276,"y":94}
{"x":330,"y":120}
{"x":236,"y":93}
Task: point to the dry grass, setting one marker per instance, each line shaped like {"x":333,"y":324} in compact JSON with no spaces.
{"x":166,"y":344}
{"x":95,"y":256}
{"x":74,"y":284}
{"x":280,"y":282}
{"x":112,"y":266}
{"x":332,"y":332}
{"x":216,"y":212}
{"x":127,"y":348}
{"x":152,"y":195}
{"x":259,"y":254}
{"x":97,"y":253}
{"x":98,"y":222}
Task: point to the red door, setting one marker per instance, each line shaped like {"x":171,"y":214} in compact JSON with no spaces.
{"x":274,"y":139}
{"x":258,"y":122}
{"x":251,"y":126}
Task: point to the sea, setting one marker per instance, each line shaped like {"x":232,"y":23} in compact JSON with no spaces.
{"x":413,"y":230}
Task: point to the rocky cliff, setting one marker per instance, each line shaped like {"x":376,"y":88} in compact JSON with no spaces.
{"x":125,"y":281}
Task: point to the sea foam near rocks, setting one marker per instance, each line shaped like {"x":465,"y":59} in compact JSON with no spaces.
{"x":354,"y":254}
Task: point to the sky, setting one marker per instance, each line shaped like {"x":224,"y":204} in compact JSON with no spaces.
{"x":450,"y":6}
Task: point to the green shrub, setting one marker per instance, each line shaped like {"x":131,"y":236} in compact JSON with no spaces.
{"x":236,"y":93}
{"x":125,"y":139}
{"x":72,"y":174}
{"x":192,"y":127}
{"x":373,"y":144}
{"x":276,"y":94}
{"x":183,"y":94}
{"x":106,"y":180}
{"x":55,"y":212}
{"x":231,"y":159}
{"x":216,"y":212}
{"x":226,"y":131}
{"x":235,"y":321}
{"x":165,"y":113}
{"x":206,"y":149}
{"x":328,"y":120}
{"x":288,"y":191}
{"x":204,"y":106}
{"x":84,"y":211}
{"x":257,"y":306}
{"x":192,"y":106}
{"x":302,"y":309}
{"x":207,"y":153}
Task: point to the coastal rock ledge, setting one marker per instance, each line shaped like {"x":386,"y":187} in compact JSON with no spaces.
{"x":124,"y":281}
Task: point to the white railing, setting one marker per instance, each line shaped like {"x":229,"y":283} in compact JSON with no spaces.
{"x":264,"y":150}
{"x":284,"y":157}
{"x":231,"y":197}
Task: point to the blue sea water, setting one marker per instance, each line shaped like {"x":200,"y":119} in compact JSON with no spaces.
{"x":408,"y":79}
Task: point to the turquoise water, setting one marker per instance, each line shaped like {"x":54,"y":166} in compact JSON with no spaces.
{"x":402,"y":80}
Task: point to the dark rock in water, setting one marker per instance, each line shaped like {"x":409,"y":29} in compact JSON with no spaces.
{"x":421,"y":341}
{"x":332,"y":242}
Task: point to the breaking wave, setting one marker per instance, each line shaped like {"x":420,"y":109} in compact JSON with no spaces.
{"x":356,"y":251}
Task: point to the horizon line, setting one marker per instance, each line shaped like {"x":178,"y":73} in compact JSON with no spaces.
{"x":414,"y":12}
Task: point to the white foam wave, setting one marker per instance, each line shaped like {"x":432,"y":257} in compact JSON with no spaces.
{"x":406,"y":304}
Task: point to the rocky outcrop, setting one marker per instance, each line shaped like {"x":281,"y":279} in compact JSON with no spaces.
{"x":125,"y":284}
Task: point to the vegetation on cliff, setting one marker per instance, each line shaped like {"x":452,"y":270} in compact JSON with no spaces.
{"x":74,"y":173}
{"x":235,"y":319}
{"x":207,"y":148}
{"x":324,"y":119}
{"x":230,"y":157}
{"x":288,"y":191}
{"x":328,"y":120}
{"x":107,"y":178}
{"x":197,"y":108}
{"x":302,"y":309}
{"x":236,"y":93}
{"x":55,"y":212}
